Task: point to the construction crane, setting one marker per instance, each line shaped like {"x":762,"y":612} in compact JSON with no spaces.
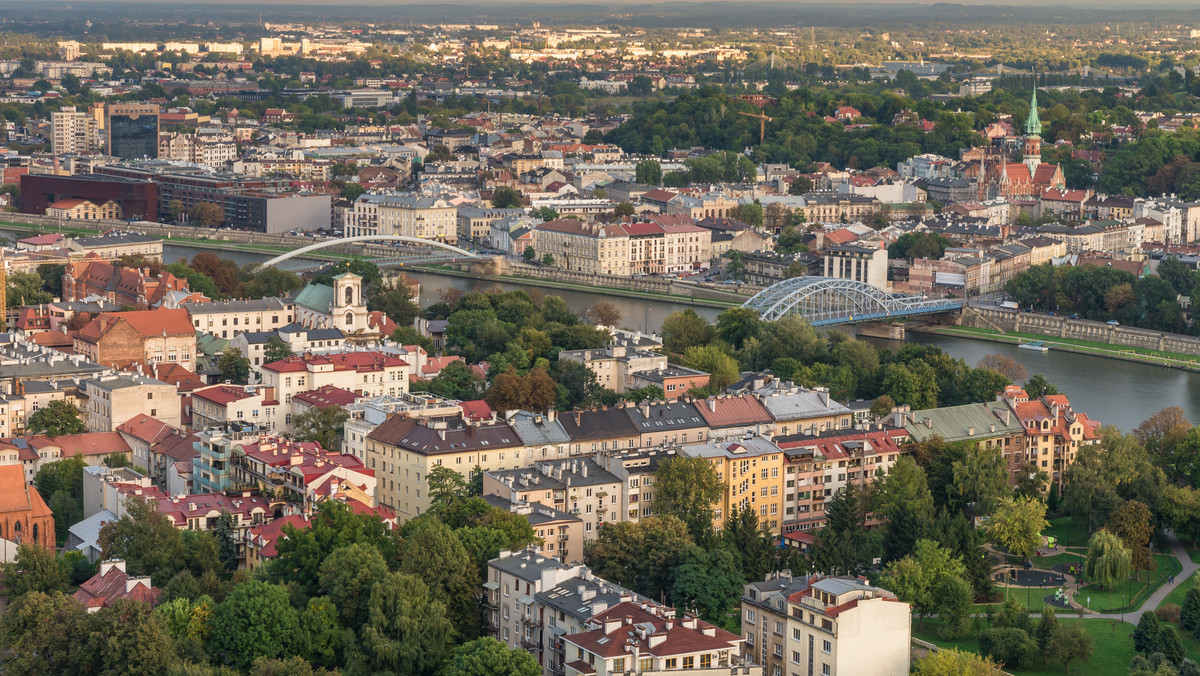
{"x":763,"y":119}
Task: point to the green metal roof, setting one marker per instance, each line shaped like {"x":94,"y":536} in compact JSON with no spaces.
{"x":956,"y":423}
{"x":1033,"y":123}
{"x":316,"y":297}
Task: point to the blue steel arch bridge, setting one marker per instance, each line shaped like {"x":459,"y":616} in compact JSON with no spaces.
{"x":825,"y":301}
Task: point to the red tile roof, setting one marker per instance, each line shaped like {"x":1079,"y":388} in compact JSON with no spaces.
{"x":327,"y":395}
{"x":171,"y":322}
{"x":88,"y":444}
{"x":104,"y":590}
{"x":733,"y":411}
{"x":476,"y":410}
{"x":148,"y":429}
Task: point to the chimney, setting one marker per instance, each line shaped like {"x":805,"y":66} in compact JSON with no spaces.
{"x":712,"y":405}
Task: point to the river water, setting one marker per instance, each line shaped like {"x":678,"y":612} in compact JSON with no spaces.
{"x":1114,"y":392}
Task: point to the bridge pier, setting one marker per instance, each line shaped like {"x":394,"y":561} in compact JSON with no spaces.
{"x":888,"y":330}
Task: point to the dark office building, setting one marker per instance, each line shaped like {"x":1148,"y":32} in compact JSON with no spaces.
{"x":132,"y":130}
{"x":138,"y":198}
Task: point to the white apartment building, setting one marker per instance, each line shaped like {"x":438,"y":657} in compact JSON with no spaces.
{"x":406,"y":215}
{"x":72,"y":131}
{"x":368,"y":374}
{"x":114,"y":399}
{"x":584,"y":247}
{"x":227,"y":318}
{"x":842,"y":626}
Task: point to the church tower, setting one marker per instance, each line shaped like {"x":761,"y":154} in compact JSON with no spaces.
{"x":1033,"y":136}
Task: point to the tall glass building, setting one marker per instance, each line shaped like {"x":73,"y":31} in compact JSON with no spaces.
{"x":132,"y":130}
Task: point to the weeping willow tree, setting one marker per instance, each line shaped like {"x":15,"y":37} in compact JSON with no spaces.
{"x":1109,"y":562}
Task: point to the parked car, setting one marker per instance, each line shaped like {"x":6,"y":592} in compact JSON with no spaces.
{"x":1113,"y":322}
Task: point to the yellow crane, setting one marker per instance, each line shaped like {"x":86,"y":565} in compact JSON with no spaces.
{"x":763,"y":119}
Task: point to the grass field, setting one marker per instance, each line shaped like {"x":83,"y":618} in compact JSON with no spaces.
{"x":1111,"y":654}
{"x":1066,"y":532}
{"x":1102,"y":349}
{"x":1116,"y":600}
{"x":1178,"y":593}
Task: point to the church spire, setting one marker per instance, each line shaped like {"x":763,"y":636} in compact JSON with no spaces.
{"x":1033,"y":124}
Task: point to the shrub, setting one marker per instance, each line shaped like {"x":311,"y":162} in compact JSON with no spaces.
{"x":1169,"y":613}
{"x":1012,"y":647}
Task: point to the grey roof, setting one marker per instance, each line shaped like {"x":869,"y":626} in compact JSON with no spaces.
{"x":257,"y":337}
{"x":785,"y":402}
{"x":536,"y":429}
{"x":584,"y":596}
{"x":534,"y":512}
{"x":122,"y":238}
{"x":841,"y":585}
{"x":527,"y":565}
{"x":577,"y":472}
{"x":325,"y":334}
{"x":678,"y":415}
{"x":751,"y":447}
{"x":671,"y":371}
{"x":123,"y":381}
{"x":249,"y":305}
{"x":88,"y":530}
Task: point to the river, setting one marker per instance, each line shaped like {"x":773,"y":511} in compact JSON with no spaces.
{"x":1114,"y":392}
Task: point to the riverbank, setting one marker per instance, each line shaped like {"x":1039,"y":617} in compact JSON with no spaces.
{"x":1133,"y":354}
{"x":571,"y":286}
{"x":197,"y":242}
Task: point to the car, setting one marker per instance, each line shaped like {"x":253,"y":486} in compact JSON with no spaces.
{"x":1073,"y":317}
{"x":1113,"y":322}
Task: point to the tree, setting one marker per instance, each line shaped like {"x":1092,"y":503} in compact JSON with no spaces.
{"x":1010,"y":646}
{"x":534,"y":391}
{"x":843,"y":546}
{"x":430,"y":549}
{"x":52,"y":278}
{"x":208,"y":214}
{"x":736,"y":325}
{"x":145,"y":539}
{"x":953,"y":662}
{"x":488,"y":657}
{"x":300,"y":553}
{"x":529,"y":254}
{"x":915,"y":577}
{"x":623,"y":209}
{"x":322,"y":424}
{"x":1132,"y":523}
{"x":1017,"y":524}
{"x":1046,"y":628}
{"x":234,"y":366}
{"x":1005,"y":365}
{"x":128,"y":639}
{"x":347,"y":576}
{"x":1038,"y":386}
{"x":272,"y":282}
{"x":34,"y":569}
{"x":544,"y":213}
{"x":906,"y":504}
{"x":56,"y":418}
{"x":980,"y":477}
{"x":276,"y":350}
{"x":605,"y":313}
{"x":688,"y":488}
{"x":722,"y":369}
{"x":225,"y":531}
{"x":1169,"y":644}
{"x":1146,"y":634}
{"x":457,"y":381}
{"x":504,"y":197}
{"x":954,"y":605}
{"x":800,"y":185}
{"x":1189,"y":615}
{"x":25,"y":288}
{"x":407,"y":632}
{"x":41,"y":634}
{"x":648,"y":172}
{"x":255,"y":620}
{"x":547,"y":259}
{"x":882,"y":406}
{"x":1109,"y":563}
{"x":708,"y":582}
{"x":1071,"y":643}
{"x":681,"y":330}
{"x":641,"y":555}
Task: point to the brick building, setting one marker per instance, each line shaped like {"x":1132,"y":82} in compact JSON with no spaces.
{"x":123,"y":339}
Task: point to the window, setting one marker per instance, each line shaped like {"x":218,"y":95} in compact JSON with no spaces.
{"x":825,"y":670}
{"x":826,"y":647}
{"x":619,"y":664}
{"x":646,"y":663}
{"x":706,"y":661}
{"x":672,"y":663}
{"x":689,"y":662}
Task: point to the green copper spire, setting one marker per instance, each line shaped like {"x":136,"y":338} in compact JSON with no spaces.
{"x":1033,"y":124}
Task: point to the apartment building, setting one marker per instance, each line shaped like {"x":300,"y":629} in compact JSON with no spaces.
{"x":578,"y":486}
{"x":475,"y":223}
{"x":401,"y":451}
{"x":301,"y":472}
{"x":511,"y":612}
{"x":561,"y":534}
{"x":227,"y":318}
{"x":1054,"y":431}
{"x":636,"y":470}
{"x":123,"y":339}
{"x":734,"y":416}
{"x":566,"y":609}
{"x":764,"y":614}
{"x":987,"y":425}
{"x":114,"y":399}
{"x":795,"y":409}
{"x":368,"y":374}
{"x":73,"y":132}
{"x":220,"y":404}
{"x":841,"y":626}
{"x":686,"y":246}
{"x":599,"y":430}
{"x":819,"y":466}
{"x":253,"y":344}
{"x":584,"y":247}
{"x":667,"y":423}
{"x":752,"y":472}
{"x":403,"y":214}
{"x":646,"y":638}
{"x":194,"y":149}
{"x":212,"y":466}
{"x":369,"y":412}
{"x":615,"y":365}
{"x":858,"y":263}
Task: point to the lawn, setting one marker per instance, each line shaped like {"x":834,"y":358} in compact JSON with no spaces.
{"x":1141,"y":354}
{"x":1114,"y":600}
{"x":1110,"y":657}
{"x":1066,"y":532}
{"x":1178,"y":593}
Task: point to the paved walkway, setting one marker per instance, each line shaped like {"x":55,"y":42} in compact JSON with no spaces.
{"x":1156,"y":599}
